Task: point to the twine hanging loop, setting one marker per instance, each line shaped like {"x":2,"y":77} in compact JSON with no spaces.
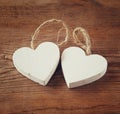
{"x":51,"y":21}
{"x":87,"y":45}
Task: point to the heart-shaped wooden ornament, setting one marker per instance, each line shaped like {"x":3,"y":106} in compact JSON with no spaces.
{"x":79,"y":69}
{"x":39,"y":64}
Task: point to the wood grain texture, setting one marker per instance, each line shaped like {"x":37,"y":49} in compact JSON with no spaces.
{"x":19,"y":19}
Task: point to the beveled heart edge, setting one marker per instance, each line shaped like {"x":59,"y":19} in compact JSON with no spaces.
{"x":86,"y":81}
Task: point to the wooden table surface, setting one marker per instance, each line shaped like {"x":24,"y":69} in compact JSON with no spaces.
{"x":18,"y":21}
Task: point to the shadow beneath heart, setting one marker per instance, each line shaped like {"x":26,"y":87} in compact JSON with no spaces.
{"x":57,"y":79}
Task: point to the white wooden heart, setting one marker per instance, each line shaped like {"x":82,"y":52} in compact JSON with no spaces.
{"x":79,"y":69}
{"x":39,"y":64}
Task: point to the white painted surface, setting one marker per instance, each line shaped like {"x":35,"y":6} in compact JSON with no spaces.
{"x":79,"y":69}
{"x":39,"y":64}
